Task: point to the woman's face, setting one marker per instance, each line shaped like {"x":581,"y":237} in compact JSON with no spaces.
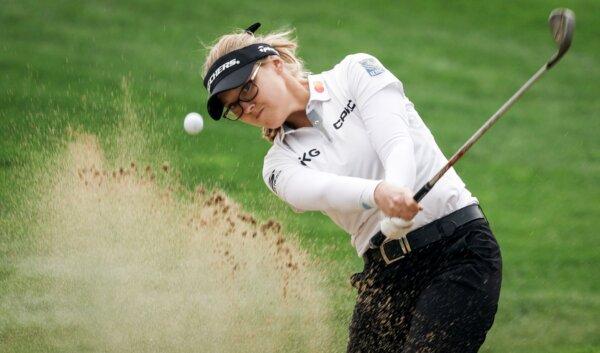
{"x":268,"y":108}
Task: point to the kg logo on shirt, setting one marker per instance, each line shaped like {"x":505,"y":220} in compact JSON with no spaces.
{"x":306,"y":156}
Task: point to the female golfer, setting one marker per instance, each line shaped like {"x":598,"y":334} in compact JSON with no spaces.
{"x":349,"y":143}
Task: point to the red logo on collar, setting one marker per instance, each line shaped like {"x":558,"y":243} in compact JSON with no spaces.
{"x":318,"y":86}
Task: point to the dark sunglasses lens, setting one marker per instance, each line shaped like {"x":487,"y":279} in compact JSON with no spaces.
{"x":234,"y":112}
{"x":248,"y":92}
{"x":238,"y":111}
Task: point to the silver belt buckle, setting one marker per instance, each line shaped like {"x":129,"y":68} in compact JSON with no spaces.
{"x":404,"y":245}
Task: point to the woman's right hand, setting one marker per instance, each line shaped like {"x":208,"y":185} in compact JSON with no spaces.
{"x":396,"y":201}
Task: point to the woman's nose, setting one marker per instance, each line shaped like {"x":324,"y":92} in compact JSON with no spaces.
{"x":248,"y":107}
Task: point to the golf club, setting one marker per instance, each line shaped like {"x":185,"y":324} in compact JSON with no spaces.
{"x":562,"y":25}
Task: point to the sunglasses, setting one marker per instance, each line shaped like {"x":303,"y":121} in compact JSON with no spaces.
{"x":249,"y":91}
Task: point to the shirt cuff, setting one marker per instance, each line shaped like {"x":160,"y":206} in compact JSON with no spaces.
{"x":367,"y":197}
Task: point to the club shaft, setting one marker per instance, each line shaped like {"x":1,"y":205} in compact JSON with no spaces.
{"x":477,"y":135}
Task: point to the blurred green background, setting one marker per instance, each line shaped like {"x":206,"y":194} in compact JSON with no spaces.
{"x":62,"y":64}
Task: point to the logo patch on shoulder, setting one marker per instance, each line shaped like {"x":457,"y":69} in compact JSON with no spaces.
{"x":372,"y":66}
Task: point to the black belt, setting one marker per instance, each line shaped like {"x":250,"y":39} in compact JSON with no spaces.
{"x":392,"y":250}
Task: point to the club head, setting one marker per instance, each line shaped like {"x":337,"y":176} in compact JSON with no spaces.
{"x":562,"y":25}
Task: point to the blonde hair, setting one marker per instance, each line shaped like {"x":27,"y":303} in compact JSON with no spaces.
{"x":282,"y":41}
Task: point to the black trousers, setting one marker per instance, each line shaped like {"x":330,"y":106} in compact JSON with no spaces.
{"x":442,"y":298}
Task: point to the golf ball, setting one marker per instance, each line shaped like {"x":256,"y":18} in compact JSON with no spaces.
{"x":193,"y":123}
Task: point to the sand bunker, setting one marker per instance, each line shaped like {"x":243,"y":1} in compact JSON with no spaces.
{"x":132,"y":268}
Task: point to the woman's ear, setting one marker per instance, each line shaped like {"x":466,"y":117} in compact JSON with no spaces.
{"x":278,"y":63}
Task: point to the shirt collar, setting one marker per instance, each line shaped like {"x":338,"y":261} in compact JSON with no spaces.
{"x":318,"y":92}
{"x":286,"y":128}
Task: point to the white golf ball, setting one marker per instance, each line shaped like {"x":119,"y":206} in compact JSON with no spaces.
{"x":193,"y":123}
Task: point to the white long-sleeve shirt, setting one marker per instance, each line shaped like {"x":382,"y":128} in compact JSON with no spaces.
{"x":365,"y":130}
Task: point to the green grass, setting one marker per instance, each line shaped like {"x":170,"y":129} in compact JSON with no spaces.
{"x":62,"y":64}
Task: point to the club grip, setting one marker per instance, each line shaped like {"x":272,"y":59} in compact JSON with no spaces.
{"x":422,"y":192}
{"x":379,"y":238}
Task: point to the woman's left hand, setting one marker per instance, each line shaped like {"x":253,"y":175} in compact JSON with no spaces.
{"x":396,"y":201}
